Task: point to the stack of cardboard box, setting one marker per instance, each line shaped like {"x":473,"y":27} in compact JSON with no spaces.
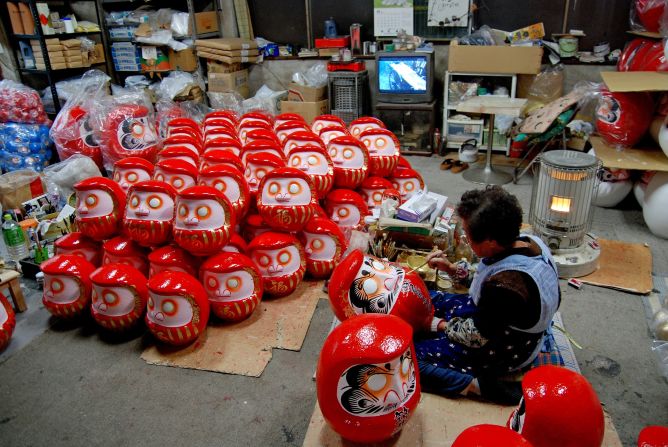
{"x":306,"y":101}
{"x":56,"y":55}
{"x":72,"y":53}
{"x":226,"y":57}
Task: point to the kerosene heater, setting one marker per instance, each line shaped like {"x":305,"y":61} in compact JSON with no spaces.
{"x":561,"y":209}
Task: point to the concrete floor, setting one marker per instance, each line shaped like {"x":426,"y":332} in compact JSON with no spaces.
{"x":70,"y":386}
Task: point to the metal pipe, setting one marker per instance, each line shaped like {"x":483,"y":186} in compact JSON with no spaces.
{"x":565,"y":22}
{"x":309,"y":25}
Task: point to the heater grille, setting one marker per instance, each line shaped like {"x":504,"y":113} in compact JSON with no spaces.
{"x":563,"y":190}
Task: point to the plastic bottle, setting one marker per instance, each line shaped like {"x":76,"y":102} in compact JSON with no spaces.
{"x":15,"y":239}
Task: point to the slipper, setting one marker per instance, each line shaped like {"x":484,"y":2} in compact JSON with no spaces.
{"x":459,"y":166}
{"x":447,"y":164}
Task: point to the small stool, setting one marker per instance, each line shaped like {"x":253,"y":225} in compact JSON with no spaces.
{"x":10,"y":278}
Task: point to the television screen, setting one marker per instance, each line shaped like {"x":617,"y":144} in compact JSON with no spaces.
{"x":403,"y":75}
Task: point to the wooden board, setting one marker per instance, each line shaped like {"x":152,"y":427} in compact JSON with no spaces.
{"x":644,"y":159}
{"x":635,"y":81}
{"x":227,"y":43}
{"x":492,"y":105}
{"x":437,"y":422}
{"x":245,"y":348}
{"x":623,"y":266}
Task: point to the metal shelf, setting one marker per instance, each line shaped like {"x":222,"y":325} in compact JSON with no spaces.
{"x":44,"y":72}
{"x":51,"y":36}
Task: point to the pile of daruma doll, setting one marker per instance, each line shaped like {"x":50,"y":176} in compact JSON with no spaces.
{"x":234,"y":209}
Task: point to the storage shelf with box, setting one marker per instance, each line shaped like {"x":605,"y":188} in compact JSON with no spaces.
{"x":308,"y":102}
{"x":460,"y":86}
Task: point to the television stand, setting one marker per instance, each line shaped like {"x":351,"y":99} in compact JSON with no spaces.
{"x":401,"y":118}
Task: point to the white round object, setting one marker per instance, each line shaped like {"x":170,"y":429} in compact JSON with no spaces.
{"x":659,"y":130}
{"x":655,"y":210}
{"x":611,"y":193}
{"x":659,"y":322}
{"x":639,"y":191}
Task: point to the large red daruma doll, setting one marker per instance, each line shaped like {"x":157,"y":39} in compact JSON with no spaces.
{"x":324,"y":244}
{"x":7,"y":322}
{"x":67,"y":286}
{"x":204,"y":220}
{"x":119,"y":296}
{"x":286,"y":199}
{"x":367,"y":378}
{"x":72,"y":134}
{"x":488,"y":435}
{"x":558,"y":407}
{"x":383,"y":149}
{"x":178,"y":309}
{"x":233,"y":284}
{"x":650,"y":13}
{"x":362,"y":284}
{"x":132,"y":170}
{"x":314,"y":161}
{"x":99,"y":209}
{"x":623,"y":118}
{"x":351,"y":161}
{"x":127,"y":131}
{"x":231,"y":182}
{"x":77,"y":244}
{"x":123,"y":250}
{"x":149,"y":213}
{"x":281,"y":260}
{"x":172,"y":257}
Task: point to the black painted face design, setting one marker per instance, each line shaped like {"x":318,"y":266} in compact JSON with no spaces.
{"x":376,"y":286}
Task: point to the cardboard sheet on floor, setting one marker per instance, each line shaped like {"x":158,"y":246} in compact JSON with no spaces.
{"x":623,"y":266}
{"x":437,"y":422}
{"x":245,"y":348}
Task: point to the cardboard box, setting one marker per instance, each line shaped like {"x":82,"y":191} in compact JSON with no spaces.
{"x":304,"y":93}
{"x":221,"y":67}
{"x":641,"y":158}
{"x":494,"y":59}
{"x":307,"y":110}
{"x":635,"y":81}
{"x":206,"y":22}
{"x":228,"y":82}
{"x":184,"y":60}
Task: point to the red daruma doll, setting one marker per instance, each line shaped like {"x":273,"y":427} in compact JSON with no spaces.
{"x":367,"y":378}
{"x":362,"y":284}
{"x":127,"y":131}
{"x":67,"y":286}
{"x":204,"y":220}
{"x":315,"y":162}
{"x":178,"y":309}
{"x":286,"y":199}
{"x":100,"y":205}
{"x":78,"y":244}
{"x":119,"y":296}
{"x":351,"y":161}
{"x":132,"y":170}
{"x":149,"y":214}
{"x":281,"y":260}
{"x":324,"y":244}
{"x":233,"y":284}
{"x":383,"y":149}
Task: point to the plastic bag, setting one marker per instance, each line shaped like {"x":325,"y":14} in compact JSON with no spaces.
{"x":647,"y":15}
{"x":265,"y":100}
{"x":20,"y":104}
{"x":315,"y":76}
{"x":61,"y":177}
{"x":166,"y":111}
{"x":226,"y":100}
{"x":482,"y":36}
{"x":72,"y":130}
{"x":125,"y":127}
{"x":180,"y":23}
{"x":175,"y":83}
{"x":548,"y":86}
{"x":24,"y":146}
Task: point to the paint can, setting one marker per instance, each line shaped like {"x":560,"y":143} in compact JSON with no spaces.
{"x":568,"y":46}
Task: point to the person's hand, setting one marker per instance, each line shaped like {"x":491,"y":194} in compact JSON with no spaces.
{"x":437,"y":260}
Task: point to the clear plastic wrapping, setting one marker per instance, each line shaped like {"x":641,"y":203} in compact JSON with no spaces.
{"x":61,"y":177}
{"x":315,"y":76}
{"x":226,"y":100}
{"x":20,"y":104}
{"x":648,"y":15}
{"x":482,"y":36}
{"x":72,"y":130}
{"x":622,"y":118}
{"x":546,"y":87}
{"x":125,"y":127}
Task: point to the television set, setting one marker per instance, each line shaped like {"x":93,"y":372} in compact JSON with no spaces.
{"x":404,"y":77}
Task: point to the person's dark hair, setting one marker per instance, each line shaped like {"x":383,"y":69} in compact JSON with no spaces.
{"x":491,"y":214}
